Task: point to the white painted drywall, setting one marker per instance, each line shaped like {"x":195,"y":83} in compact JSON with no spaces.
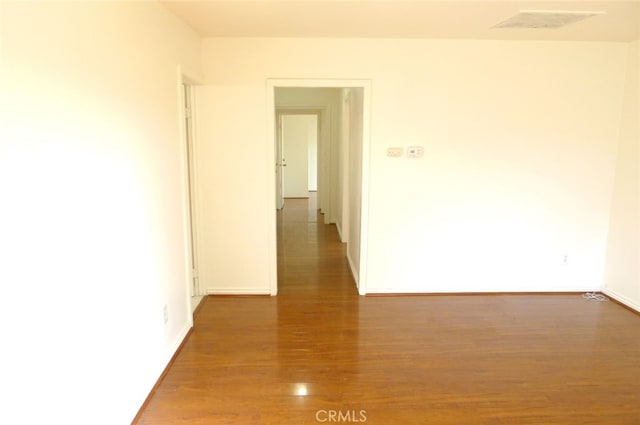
{"x":312,"y":155}
{"x":343,"y":170}
{"x":92,"y":218}
{"x":622,"y":272}
{"x":296,"y":132}
{"x":355,"y":180}
{"x":520,"y":141}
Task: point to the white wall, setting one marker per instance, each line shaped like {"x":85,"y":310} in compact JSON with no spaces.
{"x":343,"y":166}
{"x":622,"y":272}
{"x":355,"y":180}
{"x":296,"y":134}
{"x":92,"y":218}
{"x":312,"y":155}
{"x":520,"y":146}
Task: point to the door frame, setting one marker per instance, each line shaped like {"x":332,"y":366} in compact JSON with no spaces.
{"x":294,"y":110}
{"x":365,"y":85}
{"x":190,"y":204}
{"x":346,"y":142}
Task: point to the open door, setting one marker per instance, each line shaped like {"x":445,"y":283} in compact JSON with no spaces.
{"x":279,"y":164}
{"x":299,"y":137}
{"x":195,"y":292}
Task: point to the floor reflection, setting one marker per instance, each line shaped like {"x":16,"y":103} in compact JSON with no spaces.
{"x":317,"y":305}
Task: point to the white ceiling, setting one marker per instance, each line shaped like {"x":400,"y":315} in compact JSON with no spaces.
{"x":401,"y":19}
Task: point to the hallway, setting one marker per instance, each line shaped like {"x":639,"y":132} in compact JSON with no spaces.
{"x":271,"y":360}
{"x":319,"y":349}
{"x":311,"y":260}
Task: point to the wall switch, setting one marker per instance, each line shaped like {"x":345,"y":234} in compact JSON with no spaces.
{"x":394,"y":152}
{"x":165,"y":312}
{"x":415,"y":152}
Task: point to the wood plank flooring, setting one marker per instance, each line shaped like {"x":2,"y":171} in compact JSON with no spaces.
{"x":319,"y":353}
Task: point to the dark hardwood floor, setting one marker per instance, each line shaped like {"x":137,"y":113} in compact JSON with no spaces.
{"x":319,"y":353}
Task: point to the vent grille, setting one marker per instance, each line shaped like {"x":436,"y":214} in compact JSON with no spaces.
{"x":548,"y":19}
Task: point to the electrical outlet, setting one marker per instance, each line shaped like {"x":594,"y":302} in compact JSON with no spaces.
{"x":165,"y":312}
{"x":394,"y":152}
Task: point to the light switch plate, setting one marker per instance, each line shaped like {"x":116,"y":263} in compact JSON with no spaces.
{"x":415,"y":152}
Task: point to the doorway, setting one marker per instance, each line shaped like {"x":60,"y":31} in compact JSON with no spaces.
{"x":195,"y":295}
{"x":342,"y":159}
{"x":291,"y":111}
{"x":297,"y":154}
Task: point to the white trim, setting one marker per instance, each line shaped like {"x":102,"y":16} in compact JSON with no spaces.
{"x":272,"y":240}
{"x":344,"y":172}
{"x":365,"y":84}
{"x":195,"y":306}
{"x":190,"y":77}
{"x":196,"y":207}
{"x":365,"y":186}
{"x":340,"y":234}
{"x":189,"y":204}
{"x":239,"y":291}
{"x":186,"y":216}
{"x":466,"y":291}
{"x":622,"y":299}
{"x":176,"y":344}
{"x":354,"y":273}
{"x":324,"y":113}
{"x":196,"y":199}
{"x":321,"y":113}
{"x":162,"y":366}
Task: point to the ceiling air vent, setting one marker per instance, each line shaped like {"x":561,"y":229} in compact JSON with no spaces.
{"x":545,"y":19}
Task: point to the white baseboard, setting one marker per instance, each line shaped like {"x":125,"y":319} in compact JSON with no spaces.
{"x":195,"y":306}
{"x":475,"y":290}
{"x":173,"y":348}
{"x":354,"y":273}
{"x":162,"y":366}
{"x":238,"y":291}
{"x":622,"y":299}
{"x":339,"y":232}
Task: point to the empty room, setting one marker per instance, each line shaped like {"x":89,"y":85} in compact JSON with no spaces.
{"x":302,"y":212}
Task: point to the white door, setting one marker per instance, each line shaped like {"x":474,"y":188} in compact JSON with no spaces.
{"x":279,"y":180}
{"x":196,"y":296}
{"x":297,"y":133}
